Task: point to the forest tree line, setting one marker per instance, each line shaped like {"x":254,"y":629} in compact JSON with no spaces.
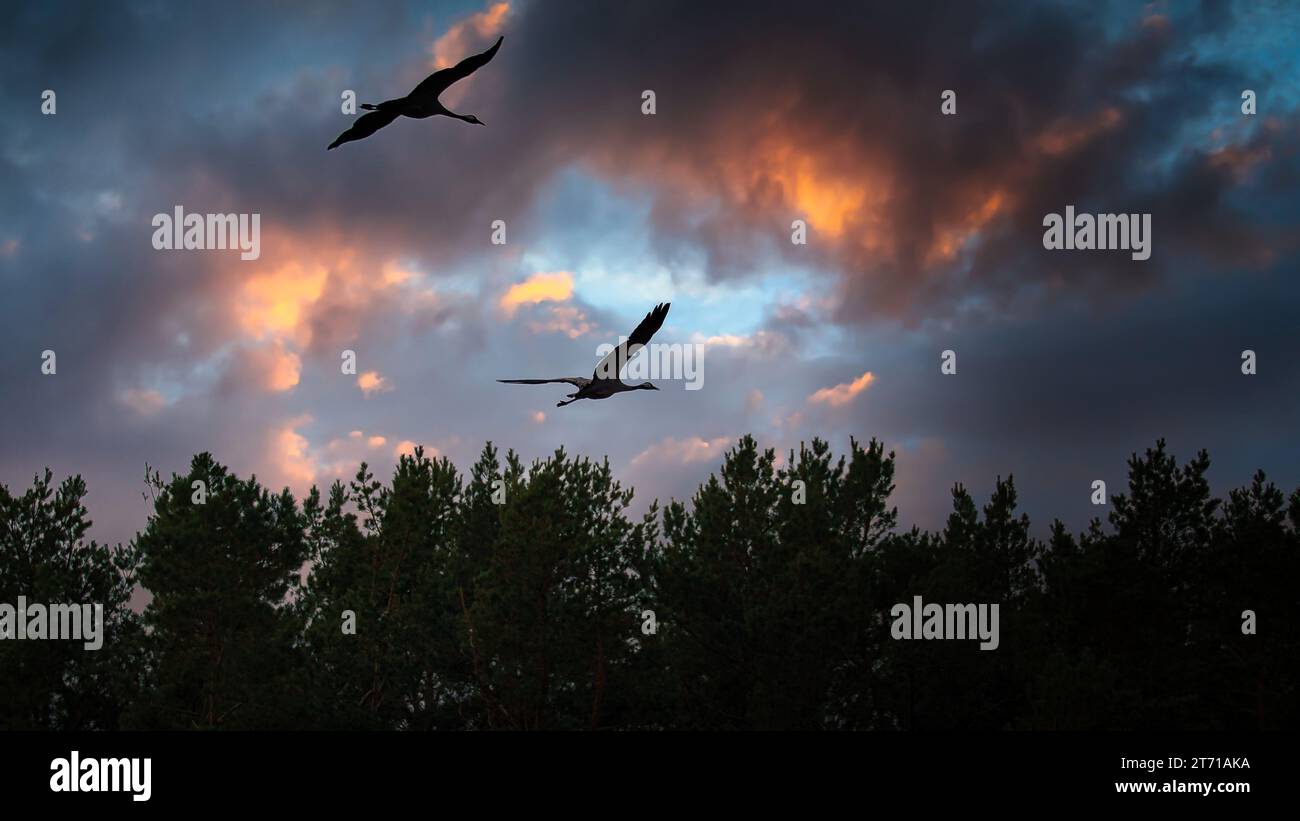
{"x":513,"y":598}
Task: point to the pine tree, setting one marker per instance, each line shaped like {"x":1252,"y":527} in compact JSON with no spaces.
{"x":44,"y":557}
{"x":767,"y":577}
{"x":220,"y":570}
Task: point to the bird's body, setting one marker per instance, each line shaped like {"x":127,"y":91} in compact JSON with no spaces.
{"x":604,"y":389}
{"x":604,"y":381}
{"x":419,"y":109}
{"x":421,"y":103}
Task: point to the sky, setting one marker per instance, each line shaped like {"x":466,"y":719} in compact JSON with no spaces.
{"x":924,"y":235}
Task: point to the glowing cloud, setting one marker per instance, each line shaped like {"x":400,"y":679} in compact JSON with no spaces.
{"x":275,"y":304}
{"x":843,"y":393}
{"x":1239,"y":161}
{"x":564,"y":319}
{"x":1065,"y":135}
{"x":458,"y":42}
{"x":370,"y":382}
{"x":829,"y":187}
{"x":317,"y":289}
{"x":143,"y":402}
{"x":761,"y":342}
{"x":726,"y":340}
{"x":394,"y":274}
{"x":289,"y":450}
{"x":407,"y":448}
{"x":682,"y":451}
{"x":274,"y":368}
{"x":951,"y":239}
{"x":541,"y":287}
{"x":827,"y":201}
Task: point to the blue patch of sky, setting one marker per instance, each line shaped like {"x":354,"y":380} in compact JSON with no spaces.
{"x":1258,"y":43}
{"x":321,"y":40}
{"x":602,"y":236}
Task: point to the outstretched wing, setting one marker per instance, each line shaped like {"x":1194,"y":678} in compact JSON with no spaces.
{"x":437,"y":82}
{"x":576,"y":381}
{"x":364,"y":126}
{"x":612,"y":365}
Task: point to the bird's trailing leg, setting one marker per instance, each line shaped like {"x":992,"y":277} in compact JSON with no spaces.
{"x":562,"y":404}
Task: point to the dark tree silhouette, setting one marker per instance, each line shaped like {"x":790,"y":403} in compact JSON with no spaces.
{"x":59,"y":685}
{"x":513,"y":598}
{"x":221,"y":637}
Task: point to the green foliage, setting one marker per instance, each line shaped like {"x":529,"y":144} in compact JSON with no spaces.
{"x":512,"y":598}
{"x":220,"y":633}
{"x":58,"y":685}
{"x":767,"y":598}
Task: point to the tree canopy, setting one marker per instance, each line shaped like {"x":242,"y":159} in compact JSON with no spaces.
{"x":529,"y":597}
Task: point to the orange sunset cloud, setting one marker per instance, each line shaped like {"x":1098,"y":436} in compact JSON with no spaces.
{"x":1068,"y":134}
{"x":541,"y":287}
{"x":463,"y":39}
{"x":289,"y":452}
{"x":564,"y":319}
{"x":144,"y":402}
{"x":371,"y":382}
{"x":843,"y":393}
{"x":686,"y":451}
{"x":455,"y":45}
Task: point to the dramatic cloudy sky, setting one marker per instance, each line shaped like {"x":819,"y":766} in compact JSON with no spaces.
{"x":925,"y":234}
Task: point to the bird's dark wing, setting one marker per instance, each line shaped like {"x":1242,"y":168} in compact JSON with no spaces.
{"x":612,"y":364}
{"x":364,"y":126}
{"x":578,"y":381}
{"x":437,"y":82}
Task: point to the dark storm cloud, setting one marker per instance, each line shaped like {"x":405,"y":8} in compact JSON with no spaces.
{"x":1065,"y":399}
{"x":1053,"y":110}
{"x":766,"y":112}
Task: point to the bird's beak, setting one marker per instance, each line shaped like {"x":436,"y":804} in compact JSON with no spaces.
{"x":480,"y":122}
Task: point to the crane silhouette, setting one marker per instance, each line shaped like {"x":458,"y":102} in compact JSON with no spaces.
{"x":422,"y":102}
{"x":604,"y":381}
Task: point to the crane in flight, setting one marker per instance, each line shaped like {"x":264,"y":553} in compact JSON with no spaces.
{"x":604,"y":381}
{"x":422,"y":102}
